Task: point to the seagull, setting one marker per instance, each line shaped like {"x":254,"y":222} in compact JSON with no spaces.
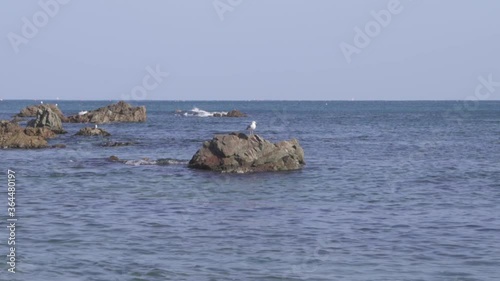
{"x":96,"y":126}
{"x":41,"y":102}
{"x":252,"y":127}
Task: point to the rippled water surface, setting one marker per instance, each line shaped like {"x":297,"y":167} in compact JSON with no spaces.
{"x":391,"y":191}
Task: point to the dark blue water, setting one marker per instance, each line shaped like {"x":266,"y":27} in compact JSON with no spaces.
{"x":391,"y":191}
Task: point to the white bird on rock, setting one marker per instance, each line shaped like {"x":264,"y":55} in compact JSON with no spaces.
{"x":252,"y":127}
{"x":96,"y":126}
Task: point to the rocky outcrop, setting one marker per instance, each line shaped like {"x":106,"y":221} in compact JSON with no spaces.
{"x":46,"y":118}
{"x":240,"y":153}
{"x":119,"y":112}
{"x":45,"y":133}
{"x":113,"y":158}
{"x":232,"y":113}
{"x":235,"y":113}
{"x":88,"y":131}
{"x":31,"y":111}
{"x":17,"y":119}
{"x":13,"y":136}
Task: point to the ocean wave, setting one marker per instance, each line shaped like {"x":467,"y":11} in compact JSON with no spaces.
{"x":196,"y":112}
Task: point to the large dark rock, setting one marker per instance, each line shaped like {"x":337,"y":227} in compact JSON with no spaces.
{"x":46,"y":118}
{"x":31,"y":111}
{"x":119,"y":112}
{"x":235,"y":113}
{"x":240,"y":153}
{"x":13,"y":136}
{"x":87,"y":131}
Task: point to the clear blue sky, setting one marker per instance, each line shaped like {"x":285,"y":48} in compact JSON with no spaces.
{"x":255,"y":49}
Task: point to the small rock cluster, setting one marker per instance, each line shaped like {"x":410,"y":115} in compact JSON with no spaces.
{"x":48,"y":123}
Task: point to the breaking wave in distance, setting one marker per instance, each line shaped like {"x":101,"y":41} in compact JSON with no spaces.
{"x":202,"y":113}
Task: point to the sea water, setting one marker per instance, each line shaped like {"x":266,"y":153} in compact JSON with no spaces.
{"x":391,"y":191}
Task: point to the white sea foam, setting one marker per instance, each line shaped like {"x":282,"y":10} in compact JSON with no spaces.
{"x":170,"y":161}
{"x":140,"y":162}
{"x":166,"y":161}
{"x":196,"y":112}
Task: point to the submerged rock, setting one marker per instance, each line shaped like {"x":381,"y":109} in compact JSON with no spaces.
{"x":147,"y":161}
{"x":240,"y":153}
{"x":59,"y":145}
{"x":119,"y":112}
{"x":88,"y":131}
{"x":113,"y":158}
{"x":13,"y":136}
{"x":116,"y":143}
{"x":46,"y":118}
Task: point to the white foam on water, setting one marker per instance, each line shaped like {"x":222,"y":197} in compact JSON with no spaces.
{"x":166,"y":161}
{"x":140,"y":162}
{"x":169,"y":161}
{"x":196,"y":112}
